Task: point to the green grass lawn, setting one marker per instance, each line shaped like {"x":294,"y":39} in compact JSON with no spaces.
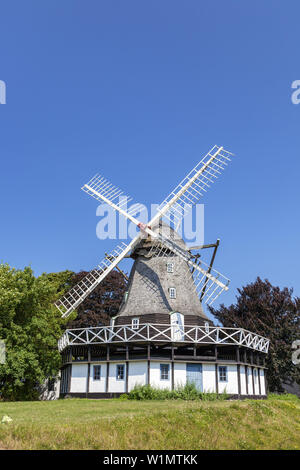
{"x":177,"y":424}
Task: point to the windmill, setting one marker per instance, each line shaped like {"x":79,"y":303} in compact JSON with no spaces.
{"x":208,"y":282}
{"x":161,"y":335}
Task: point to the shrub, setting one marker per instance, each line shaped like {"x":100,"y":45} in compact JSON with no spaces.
{"x":186,"y":392}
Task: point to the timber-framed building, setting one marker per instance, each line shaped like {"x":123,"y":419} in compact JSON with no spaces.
{"x":161,"y":337}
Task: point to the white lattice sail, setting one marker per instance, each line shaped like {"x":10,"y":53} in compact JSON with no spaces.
{"x":78,"y":293}
{"x":189,"y":191}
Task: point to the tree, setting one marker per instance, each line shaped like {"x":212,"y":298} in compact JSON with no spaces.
{"x":102,"y":304}
{"x":271,"y":312}
{"x":30,"y":325}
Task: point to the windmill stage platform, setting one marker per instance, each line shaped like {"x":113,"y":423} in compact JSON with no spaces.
{"x":161,"y":335}
{"x":221,"y":359}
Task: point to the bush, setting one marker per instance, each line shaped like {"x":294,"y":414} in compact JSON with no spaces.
{"x":283,"y":396}
{"x":186,"y":392}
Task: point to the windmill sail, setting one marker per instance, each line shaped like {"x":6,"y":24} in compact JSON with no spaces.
{"x":206,"y":279}
{"x":78,"y":293}
{"x":188,"y":192}
{"x":101,"y":189}
{"x":193,"y":186}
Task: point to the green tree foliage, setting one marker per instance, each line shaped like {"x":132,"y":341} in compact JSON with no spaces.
{"x":30,"y":326}
{"x":271,"y":312}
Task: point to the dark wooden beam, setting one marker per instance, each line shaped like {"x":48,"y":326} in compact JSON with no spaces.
{"x":239,"y":379}
{"x":107,"y":377}
{"x":210,"y":266}
{"x":217,"y":379}
{"x":148,"y":363}
{"x":259,"y":385}
{"x":88,"y":379}
{"x":127,"y":375}
{"x":69,"y":377}
{"x":238,"y":354}
{"x":172,"y":374}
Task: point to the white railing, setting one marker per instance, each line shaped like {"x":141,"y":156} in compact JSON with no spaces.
{"x":163,"y":333}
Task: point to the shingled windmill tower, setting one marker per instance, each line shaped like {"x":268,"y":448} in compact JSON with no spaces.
{"x":161,"y":335}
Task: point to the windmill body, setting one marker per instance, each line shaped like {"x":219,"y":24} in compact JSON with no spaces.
{"x":161,"y":335}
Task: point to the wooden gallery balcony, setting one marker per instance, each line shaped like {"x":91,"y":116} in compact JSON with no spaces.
{"x":163,"y":334}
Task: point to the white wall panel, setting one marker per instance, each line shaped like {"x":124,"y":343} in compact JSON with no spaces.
{"x":243,"y":381}
{"x":179,"y":374}
{"x":209,"y":377}
{"x":78,"y":378}
{"x":137,"y":374}
{"x":262,"y":381}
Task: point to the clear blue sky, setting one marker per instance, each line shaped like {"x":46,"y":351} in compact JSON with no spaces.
{"x":139,"y":91}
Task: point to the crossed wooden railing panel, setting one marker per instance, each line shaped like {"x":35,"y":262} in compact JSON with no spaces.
{"x":162,"y":333}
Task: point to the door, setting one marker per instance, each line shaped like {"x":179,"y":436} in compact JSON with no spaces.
{"x":194,"y":375}
{"x":177,"y":323}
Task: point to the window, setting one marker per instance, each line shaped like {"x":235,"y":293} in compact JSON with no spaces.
{"x":97,"y":372}
{"x":120,"y":372}
{"x":51,"y":385}
{"x":135,"y":323}
{"x":206,"y":324}
{"x":170,"y":267}
{"x":164,"y":371}
{"x":222,"y":373}
{"x":172,"y":292}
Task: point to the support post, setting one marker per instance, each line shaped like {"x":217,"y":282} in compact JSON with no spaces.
{"x":107,"y":368}
{"x":107,"y":378}
{"x":216,"y":376}
{"x":239,"y":379}
{"x":69,"y":377}
{"x":148,"y":363}
{"x":127,"y":374}
{"x":259,"y":386}
{"x":88,"y":379}
{"x":216,"y":370}
{"x":172,"y":377}
{"x":253,"y":385}
{"x":238,"y":370}
{"x":246,"y":378}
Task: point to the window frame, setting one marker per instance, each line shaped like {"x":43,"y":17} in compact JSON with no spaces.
{"x":163,"y":374}
{"x":223,"y":372}
{"x":172,"y":289}
{"x":135,"y":323}
{"x":118,"y":376}
{"x":170,"y":267}
{"x":96,"y":376}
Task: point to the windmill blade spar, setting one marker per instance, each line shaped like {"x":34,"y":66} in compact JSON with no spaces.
{"x":67,"y":304}
{"x":188,"y":192}
{"x":101,"y":189}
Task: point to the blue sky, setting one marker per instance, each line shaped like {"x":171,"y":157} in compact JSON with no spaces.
{"x":139,"y":91}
